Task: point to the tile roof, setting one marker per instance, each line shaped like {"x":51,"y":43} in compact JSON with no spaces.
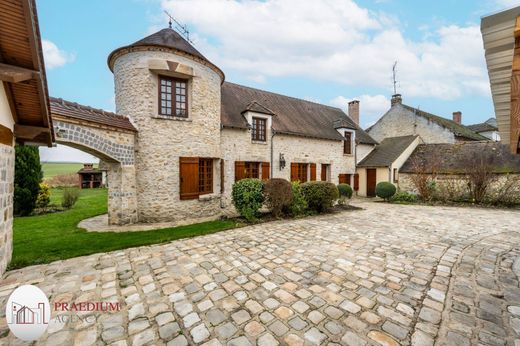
{"x":80,"y":112}
{"x":453,"y":157}
{"x":292,"y":116}
{"x":387,"y":151}
{"x":458,"y":129}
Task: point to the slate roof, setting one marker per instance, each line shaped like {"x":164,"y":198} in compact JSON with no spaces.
{"x":80,"y":112}
{"x":292,"y":116}
{"x":387,"y":151}
{"x":458,"y":129}
{"x":167,"y":38}
{"x":454,"y":156}
{"x":487,"y":126}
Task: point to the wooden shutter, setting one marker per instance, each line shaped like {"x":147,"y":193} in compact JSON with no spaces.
{"x":266,"y":169}
{"x":294,"y":171}
{"x":356,"y":182}
{"x":313,"y":172}
{"x":343,"y":178}
{"x":324,"y":172}
{"x":189,"y":177}
{"x":240,"y":170}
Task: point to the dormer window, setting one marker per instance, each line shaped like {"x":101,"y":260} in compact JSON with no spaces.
{"x":258,"y":132}
{"x":347,"y":143}
{"x":173,"y":97}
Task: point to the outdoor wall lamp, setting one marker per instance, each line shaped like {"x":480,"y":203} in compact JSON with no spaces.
{"x":282,"y":162}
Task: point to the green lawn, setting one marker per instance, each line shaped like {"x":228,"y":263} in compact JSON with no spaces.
{"x":51,"y":169}
{"x":50,"y":237}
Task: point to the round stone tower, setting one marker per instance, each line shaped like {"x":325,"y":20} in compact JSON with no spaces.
{"x":172,"y":94}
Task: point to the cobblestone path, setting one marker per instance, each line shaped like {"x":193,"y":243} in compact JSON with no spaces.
{"x":385,"y":275}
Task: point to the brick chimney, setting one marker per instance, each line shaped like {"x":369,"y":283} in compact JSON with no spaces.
{"x":353,"y":111}
{"x":396,"y":99}
{"x":457,"y":117}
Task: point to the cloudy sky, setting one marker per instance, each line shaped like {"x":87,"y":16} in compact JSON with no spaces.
{"x":327,"y":51}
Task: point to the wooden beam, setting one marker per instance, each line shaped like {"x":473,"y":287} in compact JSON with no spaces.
{"x":29,"y":132}
{"x":514,"y":116}
{"x":15,"y":74}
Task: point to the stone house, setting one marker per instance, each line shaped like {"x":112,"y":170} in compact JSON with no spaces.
{"x":24,"y":103}
{"x":487,"y":129}
{"x":401,"y":120}
{"x":384,"y":163}
{"x":449,"y":163}
{"x":197,"y":134}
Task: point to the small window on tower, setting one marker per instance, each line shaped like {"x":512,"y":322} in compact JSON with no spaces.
{"x":173,"y":97}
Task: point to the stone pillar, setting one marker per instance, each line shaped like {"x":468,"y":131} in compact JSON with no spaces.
{"x":122,"y":196}
{"x":6,"y":205}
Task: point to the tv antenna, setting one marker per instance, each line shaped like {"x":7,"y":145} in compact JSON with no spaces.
{"x":182,"y":29}
{"x":394,"y":73}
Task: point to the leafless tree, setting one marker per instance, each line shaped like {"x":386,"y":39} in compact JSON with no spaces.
{"x":425,"y":174}
{"x":480,"y":173}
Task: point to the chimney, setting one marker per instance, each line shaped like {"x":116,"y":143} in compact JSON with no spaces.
{"x":88,"y":165}
{"x":353,"y":111}
{"x":457,"y":117}
{"x":396,"y":99}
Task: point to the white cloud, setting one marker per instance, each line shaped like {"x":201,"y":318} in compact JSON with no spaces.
{"x":507,"y":3}
{"x":55,"y":57}
{"x":371,"y":107}
{"x":334,"y":40}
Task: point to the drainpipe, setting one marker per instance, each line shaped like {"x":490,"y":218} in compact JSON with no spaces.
{"x":273,"y":133}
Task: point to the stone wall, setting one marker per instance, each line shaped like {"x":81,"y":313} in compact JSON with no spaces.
{"x":161,"y":141}
{"x":6,"y":204}
{"x":237,"y":146}
{"x":399,"y":121}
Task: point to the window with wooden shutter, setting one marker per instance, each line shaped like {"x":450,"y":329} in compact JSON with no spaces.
{"x":396,"y":178}
{"x":189,"y":177}
{"x":222,"y":172}
{"x":356,"y":182}
{"x":266,"y":170}
{"x":324,"y":169}
{"x":343,"y":178}
{"x":347,"y":144}
{"x":294,"y":171}
{"x":313,"y":172}
{"x":299,"y":172}
{"x":252,"y":170}
{"x":205,"y":176}
{"x":240,"y":170}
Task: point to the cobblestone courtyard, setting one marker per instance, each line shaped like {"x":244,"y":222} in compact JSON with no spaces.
{"x":387,"y":275}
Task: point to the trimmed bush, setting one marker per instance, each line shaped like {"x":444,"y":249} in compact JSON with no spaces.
{"x":298,"y":204}
{"x":248,"y":197}
{"x":44,"y":196}
{"x":278,"y":195}
{"x":319,"y":195}
{"x":345,"y":190}
{"x":385,"y":190}
{"x":69,"y":198}
{"x":404,"y":197}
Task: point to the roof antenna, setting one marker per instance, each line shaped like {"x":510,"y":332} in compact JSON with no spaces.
{"x":394,"y":73}
{"x":182,"y":29}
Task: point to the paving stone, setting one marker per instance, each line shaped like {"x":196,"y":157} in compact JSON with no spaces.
{"x":199,"y":333}
{"x":420,"y":338}
{"x":167,"y":331}
{"x":315,"y":316}
{"x":241,"y":316}
{"x":267,"y":340}
{"x":382,"y":338}
{"x":278,"y":328}
{"x":333,"y":327}
{"x":351,"y":339}
{"x":430,"y":315}
{"x":240,"y":341}
{"x":295,"y":340}
{"x":314,"y":336}
{"x":297,"y":323}
{"x":226,"y":330}
{"x":395,"y":330}
{"x":254,"y":328}
{"x":215,"y":317}
{"x":179,"y":341}
{"x":143,"y":337}
{"x":350,"y":307}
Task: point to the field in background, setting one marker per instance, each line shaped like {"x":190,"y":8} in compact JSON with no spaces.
{"x":52,"y":169}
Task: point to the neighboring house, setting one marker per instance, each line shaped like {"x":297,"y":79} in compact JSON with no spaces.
{"x":90,"y":177}
{"x":449,"y":161}
{"x":401,"y":120}
{"x":24,"y":104}
{"x":487,"y":129}
{"x":383,"y":163}
{"x":501,"y":36}
{"x":197,"y":134}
